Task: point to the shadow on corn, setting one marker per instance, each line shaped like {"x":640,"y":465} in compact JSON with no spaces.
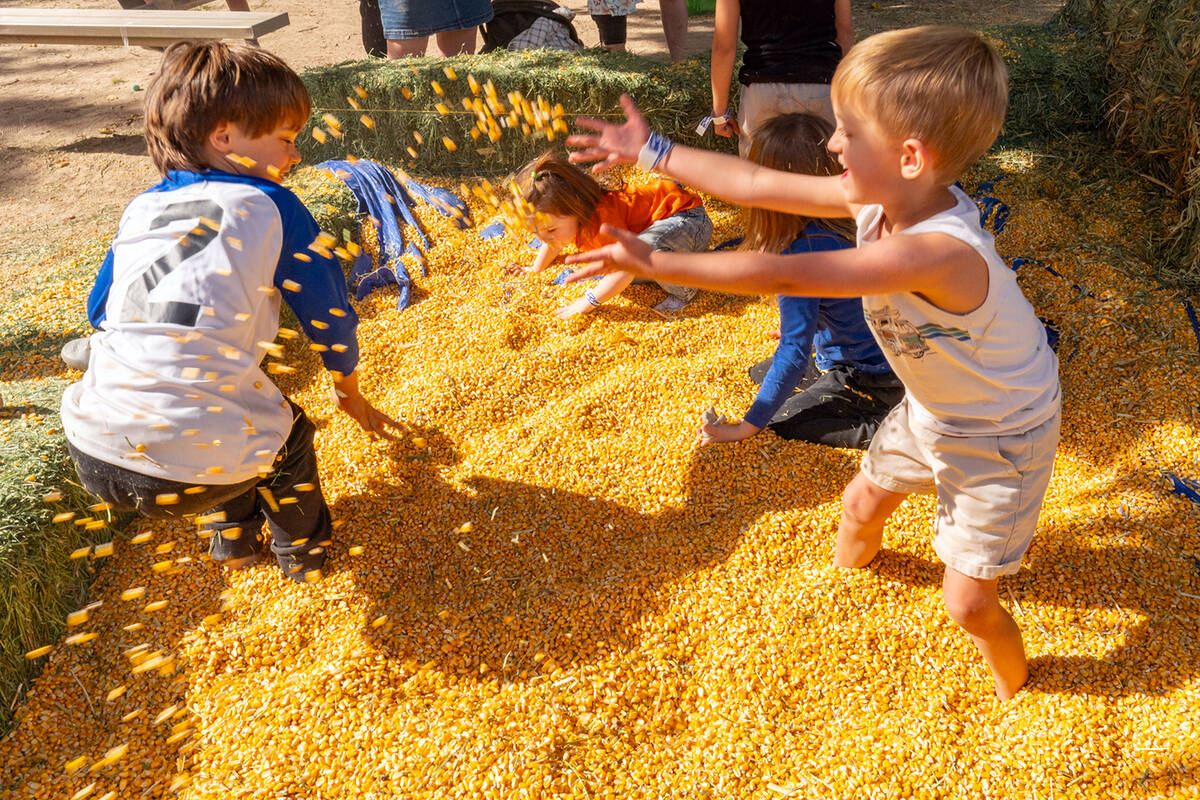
{"x":1129,"y":578}
{"x":496,"y":579}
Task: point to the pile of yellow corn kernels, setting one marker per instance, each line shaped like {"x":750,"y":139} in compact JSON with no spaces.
{"x":546,"y":589}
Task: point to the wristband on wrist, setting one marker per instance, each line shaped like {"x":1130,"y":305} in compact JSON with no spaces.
{"x":590,"y":296}
{"x":712,"y":119}
{"x":654,"y":151}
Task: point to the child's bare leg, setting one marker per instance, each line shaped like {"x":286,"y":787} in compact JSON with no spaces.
{"x":974,"y":603}
{"x":865,"y":507}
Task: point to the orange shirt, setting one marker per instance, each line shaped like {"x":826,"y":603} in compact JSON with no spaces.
{"x":634,"y":209}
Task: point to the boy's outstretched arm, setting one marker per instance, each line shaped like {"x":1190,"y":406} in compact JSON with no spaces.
{"x":944,"y":270}
{"x":728,"y":177}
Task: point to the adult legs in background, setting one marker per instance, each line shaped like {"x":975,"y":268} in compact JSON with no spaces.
{"x":374,"y":42}
{"x":408,"y":24}
{"x":613,"y":31}
{"x":446,"y":43}
{"x":675,"y":26}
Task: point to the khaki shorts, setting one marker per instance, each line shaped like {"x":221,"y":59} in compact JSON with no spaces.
{"x":989,"y":488}
{"x":758,"y":102}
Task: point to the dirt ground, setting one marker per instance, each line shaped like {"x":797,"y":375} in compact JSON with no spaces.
{"x":71,"y":125}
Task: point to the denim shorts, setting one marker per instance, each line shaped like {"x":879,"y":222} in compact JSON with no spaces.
{"x":410,"y":19}
{"x":687,"y":231}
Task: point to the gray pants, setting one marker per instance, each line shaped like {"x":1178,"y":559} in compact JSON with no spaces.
{"x":687,"y":231}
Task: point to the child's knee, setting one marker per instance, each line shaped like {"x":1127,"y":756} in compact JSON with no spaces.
{"x":974,"y":607}
{"x":864,"y":502}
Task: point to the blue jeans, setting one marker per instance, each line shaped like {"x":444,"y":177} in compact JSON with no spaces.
{"x":410,"y":19}
{"x":687,"y":231}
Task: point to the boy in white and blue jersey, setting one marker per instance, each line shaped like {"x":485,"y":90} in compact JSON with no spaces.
{"x":174,"y":415}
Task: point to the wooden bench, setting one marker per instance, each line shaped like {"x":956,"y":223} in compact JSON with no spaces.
{"x":146,"y":28}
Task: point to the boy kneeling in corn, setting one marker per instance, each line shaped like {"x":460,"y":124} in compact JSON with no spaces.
{"x":980,"y":422}
{"x":174,"y":416}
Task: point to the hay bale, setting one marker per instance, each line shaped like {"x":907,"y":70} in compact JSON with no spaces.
{"x":1056,"y":82}
{"x":1153,"y":106}
{"x":673,"y":96}
{"x":39,"y":583}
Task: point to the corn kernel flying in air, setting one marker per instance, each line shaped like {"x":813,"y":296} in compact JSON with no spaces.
{"x":166,"y":499}
{"x":133,"y":593}
{"x":437,"y":88}
{"x":273,"y":172}
{"x":115,"y":694}
{"x":442,"y":108}
{"x":449,"y":143}
{"x":63,"y":516}
{"x":39,"y":652}
{"x":52,"y":496}
{"x":366,"y":120}
{"x":77,"y":617}
{"x":356,"y":550}
{"x":157,"y":605}
{"x":81,"y":638}
{"x":353,"y":103}
{"x":102,"y":550}
{"x":407,"y":92}
{"x":319,"y":135}
{"x":474,"y":84}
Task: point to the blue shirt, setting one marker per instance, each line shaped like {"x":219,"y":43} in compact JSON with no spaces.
{"x":832,"y":328}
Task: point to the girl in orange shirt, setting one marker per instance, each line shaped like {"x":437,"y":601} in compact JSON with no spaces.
{"x":572,"y":206}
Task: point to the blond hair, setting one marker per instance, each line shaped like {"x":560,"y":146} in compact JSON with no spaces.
{"x":199,"y":85}
{"x":942,"y":85}
{"x":792,"y":143}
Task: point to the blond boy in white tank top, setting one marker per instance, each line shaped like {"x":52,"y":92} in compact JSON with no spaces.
{"x":980,"y":426}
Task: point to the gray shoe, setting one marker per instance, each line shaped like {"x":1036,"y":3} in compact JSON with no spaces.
{"x":76,"y":353}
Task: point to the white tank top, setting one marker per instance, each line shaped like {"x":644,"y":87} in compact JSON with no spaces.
{"x":987,"y":372}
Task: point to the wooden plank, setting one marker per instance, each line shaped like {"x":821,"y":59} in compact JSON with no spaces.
{"x":120,"y":26}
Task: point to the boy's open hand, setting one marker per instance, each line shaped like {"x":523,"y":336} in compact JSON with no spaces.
{"x":627,"y":253}
{"x":369,"y":418}
{"x":610,"y":144}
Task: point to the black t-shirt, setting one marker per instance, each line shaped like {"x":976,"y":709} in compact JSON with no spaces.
{"x":788,"y":41}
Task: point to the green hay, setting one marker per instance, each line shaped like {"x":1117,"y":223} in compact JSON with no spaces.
{"x":1153,"y":108}
{"x":1056,"y":82}
{"x":673,"y":96}
{"x":1056,"y":88}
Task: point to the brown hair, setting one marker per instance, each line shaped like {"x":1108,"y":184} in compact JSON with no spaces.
{"x":199,"y":85}
{"x":943,"y":85}
{"x":792,"y":143}
{"x":552,"y":186}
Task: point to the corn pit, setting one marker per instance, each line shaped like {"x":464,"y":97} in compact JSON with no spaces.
{"x":545,"y":589}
